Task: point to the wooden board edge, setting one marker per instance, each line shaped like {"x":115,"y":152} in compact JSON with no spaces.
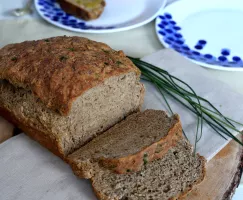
{"x":236,"y":179}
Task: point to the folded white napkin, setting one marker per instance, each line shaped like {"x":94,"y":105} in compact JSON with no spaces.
{"x":29,"y":171}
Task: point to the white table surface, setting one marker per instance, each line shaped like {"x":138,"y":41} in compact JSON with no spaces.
{"x":138,"y":42}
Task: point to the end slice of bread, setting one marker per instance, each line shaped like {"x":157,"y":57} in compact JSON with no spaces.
{"x":128,"y":146}
{"x":171,"y":177}
{"x":84,"y":9}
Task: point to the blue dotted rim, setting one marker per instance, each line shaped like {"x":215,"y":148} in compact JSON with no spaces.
{"x":51,"y":10}
{"x":170,"y":31}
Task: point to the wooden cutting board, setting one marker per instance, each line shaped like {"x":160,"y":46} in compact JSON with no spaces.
{"x":222,"y":175}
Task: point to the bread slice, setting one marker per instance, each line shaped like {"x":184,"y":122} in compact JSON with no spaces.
{"x":126,"y":147}
{"x":64,"y":91}
{"x":84,"y":9}
{"x":168,"y":178}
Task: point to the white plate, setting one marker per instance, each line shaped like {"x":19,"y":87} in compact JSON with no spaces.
{"x":117,"y":16}
{"x":208,"y":32}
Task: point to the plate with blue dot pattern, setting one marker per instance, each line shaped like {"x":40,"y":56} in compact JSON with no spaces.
{"x":117,"y":15}
{"x":208,"y":32}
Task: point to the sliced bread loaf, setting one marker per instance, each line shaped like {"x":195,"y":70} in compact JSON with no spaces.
{"x":168,"y":178}
{"x":84,"y":9}
{"x":126,"y":147}
{"x":64,"y":91}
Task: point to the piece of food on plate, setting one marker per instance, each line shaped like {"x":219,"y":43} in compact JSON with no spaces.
{"x":171,"y":177}
{"x":127,"y":146}
{"x":64,"y":91}
{"x":84,"y":9}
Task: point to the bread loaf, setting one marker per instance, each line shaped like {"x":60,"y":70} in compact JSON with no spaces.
{"x":63,"y":91}
{"x":126,"y":147}
{"x":171,"y":177}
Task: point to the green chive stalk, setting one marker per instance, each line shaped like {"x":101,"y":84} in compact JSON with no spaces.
{"x":180,"y":91}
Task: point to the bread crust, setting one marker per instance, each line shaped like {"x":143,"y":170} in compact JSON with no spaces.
{"x":60,"y":69}
{"x":142,"y":92}
{"x":189,"y":189}
{"x":134,"y":163}
{"x":100,"y":195}
{"x":82,"y":12}
{"x":45,"y":139}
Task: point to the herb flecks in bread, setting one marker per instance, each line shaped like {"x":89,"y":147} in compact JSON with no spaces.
{"x":128,"y":145}
{"x":170,"y":177}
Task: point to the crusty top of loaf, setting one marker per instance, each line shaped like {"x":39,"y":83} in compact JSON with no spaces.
{"x":59,"y":69}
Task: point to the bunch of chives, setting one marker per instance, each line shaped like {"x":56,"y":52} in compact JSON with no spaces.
{"x":183,"y":93}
